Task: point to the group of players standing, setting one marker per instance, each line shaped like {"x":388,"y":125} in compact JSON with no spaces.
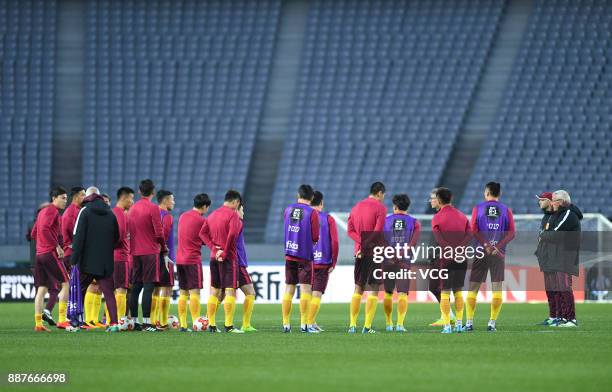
{"x":311,"y":250}
{"x":145,"y":253}
{"x":144,"y":256}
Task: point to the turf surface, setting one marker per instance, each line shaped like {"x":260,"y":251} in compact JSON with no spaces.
{"x":520,"y":356}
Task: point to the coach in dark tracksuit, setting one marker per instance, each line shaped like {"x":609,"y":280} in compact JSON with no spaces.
{"x":558,"y":252}
{"x":96,"y":234}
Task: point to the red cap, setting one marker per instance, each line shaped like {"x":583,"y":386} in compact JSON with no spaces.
{"x":545,"y":195}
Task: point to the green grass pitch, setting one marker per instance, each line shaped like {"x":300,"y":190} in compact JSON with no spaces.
{"x":520,"y":356}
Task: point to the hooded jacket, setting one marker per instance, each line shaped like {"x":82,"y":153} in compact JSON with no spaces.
{"x":96,"y":235}
{"x":559,"y":244}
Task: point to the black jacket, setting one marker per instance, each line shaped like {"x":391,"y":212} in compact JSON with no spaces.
{"x":559,"y":242}
{"x":96,"y":236}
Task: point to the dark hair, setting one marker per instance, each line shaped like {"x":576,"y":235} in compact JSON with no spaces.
{"x":377,"y":187}
{"x":443,"y":194}
{"x":232,"y":195}
{"x":494,"y":188}
{"x":124,"y":191}
{"x":201,"y":200}
{"x":401,"y":201}
{"x":75,"y":190}
{"x":57,"y":191}
{"x":305,"y":192}
{"x":162,"y":194}
{"x":317,"y":199}
{"x":146,"y":187}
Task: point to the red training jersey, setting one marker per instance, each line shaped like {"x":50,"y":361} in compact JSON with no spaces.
{"x":367,"y":215}
{"x":47,"y":230}
{"x":225,"y":226}
{"x":193,"y":232}
{"x":145,"y":227}
{"x":122,"y":252}
{"x":68,"y":220}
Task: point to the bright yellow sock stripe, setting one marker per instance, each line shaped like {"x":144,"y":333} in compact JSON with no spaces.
{"x":63,"y":306}
{"x":97,"y":304}
{"x":355,"y":306}
{"x":459,"y":305}
{"x":496,"y":304}
{"x":165,"y":309}
{"x":89,"y":304}
{"x":247,"y":310}
{"x":211,"y":310}
{"x":371,"y":304}
{"x":195,"y":307}
{"x":121,"y":304}
{"x":470,"y":305}
{"x":286,"y":308}
{"x":106,"y":314}
{"x":388,"y":307}
{"x":230,"y":308}
{"x":315,"y":305}
{"x":154,"y":309}
{"x":38,"y":319}
{"x":445,"y":307}
{"x":304,"y":307}
{"x":182,"y":310}
{"x":402,"y":308}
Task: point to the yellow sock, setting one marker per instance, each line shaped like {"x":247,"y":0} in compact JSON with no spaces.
{"x":121,"y":304}
{"x":63,"y":306}
{"x":165,"y":309}
{"x":371,"y":304}
{"x":182,"y":310}
{"x":459,"y":305}
{"x":38,"y":319}
{"x":230,"y":308}
{"x":304,"y":307}
{"x":106,"y":314}
{"x":247,"y":310}
{"x":286,"y":308}
{"x":89,"y":305}
{"x":154,"y":309}
{"x":195,"y":307}
{"x":445,"y":307}
{"x":315,"y":305}
{"x":388,"y":308}
{"x":211,"y":310}
{"x":402,"y":308}
{"x":470,"y":305}
{"x":496,"y":304}
{"x":97,"y":304}
{"x":355,"y":306}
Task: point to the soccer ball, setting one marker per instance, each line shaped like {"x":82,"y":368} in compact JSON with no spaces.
{"x":173,"y":322}
{"x":126,"y":324}
{"x":201,"y":324}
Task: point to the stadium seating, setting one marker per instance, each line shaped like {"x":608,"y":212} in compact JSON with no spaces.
{"x":553,"y":130}
{"x":382,"y":92}
{"x":27,"y":89}
{"x":174,"y":92}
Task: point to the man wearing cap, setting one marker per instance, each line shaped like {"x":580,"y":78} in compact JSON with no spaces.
{"x":545,"y":203}
{"x":562,"y":242}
